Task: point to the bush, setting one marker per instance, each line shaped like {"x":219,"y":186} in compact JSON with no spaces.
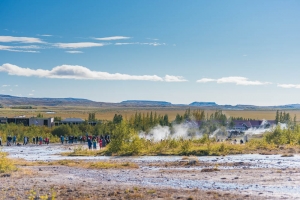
{"x":6,"y":164}
{"x":125,"y":141}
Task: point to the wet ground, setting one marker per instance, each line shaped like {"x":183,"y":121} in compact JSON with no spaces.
{"x":246,"y":176}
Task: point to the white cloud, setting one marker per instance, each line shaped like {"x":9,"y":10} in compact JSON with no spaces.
{"x":32,"y":90}
{"x":113,"y":38}
{"x":139,"y":43}
{"x":46,"y":35}
{"x":5,"y":85}
{"x":288,"y":86}
{"x":233,"y":79}
{"x":74,"y":52}
{"x":20,"y":48}
{"x":126,"y":43}
{"x":16,"y":85}
{"x":30,"y":94}
{"x":205,"y":80}
{"x":20,"y":39}
{"x":155,"y":39}
{"x":153,"y":43}
{"x":83,"y":73}
{"x":77,"y":45}
{"x":169,"y":78}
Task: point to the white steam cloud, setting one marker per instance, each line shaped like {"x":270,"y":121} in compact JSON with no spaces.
{"x":233,"y":79}
{"x":178,"y":131}
{"x":80,"y":72}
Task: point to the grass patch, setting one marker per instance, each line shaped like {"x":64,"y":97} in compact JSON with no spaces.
{"x":6,"y":164}
{"x":81,"y":151}
{"x":80,"y":164}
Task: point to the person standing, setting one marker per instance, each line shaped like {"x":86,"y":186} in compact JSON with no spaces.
{"x":15,"y":140}
{"x":36,"y":140}
{"x":0,"y":141}
{"x":62,"y":138}
{"x":89,"y":143}
{"x":25,"y":140}
{"x":100,"y":143}
{"x":33,"y":140}
{"x":95,"y":144}
{"x":41,"y":140}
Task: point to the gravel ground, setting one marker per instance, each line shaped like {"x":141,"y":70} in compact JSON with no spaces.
{"x":235,"y":177}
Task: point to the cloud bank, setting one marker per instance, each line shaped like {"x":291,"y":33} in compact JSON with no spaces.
{"x":233,"y":79}
{"x":83,"y":73}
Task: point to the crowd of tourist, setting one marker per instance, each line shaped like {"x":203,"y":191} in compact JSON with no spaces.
{"x":92,"y":141}
{"x":12,"y":140}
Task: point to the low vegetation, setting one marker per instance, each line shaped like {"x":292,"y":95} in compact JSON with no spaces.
{"x":6,"y":165}
{"x":80,"y":164}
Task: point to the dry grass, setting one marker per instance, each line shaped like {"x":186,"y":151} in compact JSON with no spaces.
{"x":80,"y":164}
{"x":6,"y":165}
{"x":108,"y":112}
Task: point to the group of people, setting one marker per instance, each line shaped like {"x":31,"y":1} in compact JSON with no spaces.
{"x":92,"y":141}
{"x":12,"y":140}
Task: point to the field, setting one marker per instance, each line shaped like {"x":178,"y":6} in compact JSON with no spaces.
{"x":108,"y":112}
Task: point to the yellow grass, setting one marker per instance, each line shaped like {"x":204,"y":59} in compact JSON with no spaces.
{"x":80,"y":164}
{"x":6,"y":165}
{"x":108,"y":113}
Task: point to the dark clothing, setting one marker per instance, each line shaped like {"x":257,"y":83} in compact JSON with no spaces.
{"x":90,"y":143}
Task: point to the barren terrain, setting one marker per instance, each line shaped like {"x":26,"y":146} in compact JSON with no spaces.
{"x":171,"y":177}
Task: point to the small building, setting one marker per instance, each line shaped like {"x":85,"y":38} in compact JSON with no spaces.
{"x":241,"y":125}
{"x":49,"y":122}
{"x":73,"y":121}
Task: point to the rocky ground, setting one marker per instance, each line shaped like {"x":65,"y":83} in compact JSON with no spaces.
{"x":229,"y":177}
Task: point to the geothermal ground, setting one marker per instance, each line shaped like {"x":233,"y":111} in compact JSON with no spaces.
{"x":157,"y":177}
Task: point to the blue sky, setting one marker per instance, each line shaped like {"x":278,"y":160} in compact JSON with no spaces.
{"x":229,"y":52}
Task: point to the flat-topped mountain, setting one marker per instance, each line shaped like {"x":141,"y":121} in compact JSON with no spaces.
{"x":203,"y":104}
{"x":8,"y":101}
{"x":147,"y":102}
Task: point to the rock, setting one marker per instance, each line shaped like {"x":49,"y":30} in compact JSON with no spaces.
{"x":5,"y":175}
{"x":40,"y":169}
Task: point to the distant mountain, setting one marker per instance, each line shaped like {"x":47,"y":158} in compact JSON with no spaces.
{"x":204,"y":104}
{"x":13,"y":101}
{"x":146,"y":103}
{"x":8,"y":101}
